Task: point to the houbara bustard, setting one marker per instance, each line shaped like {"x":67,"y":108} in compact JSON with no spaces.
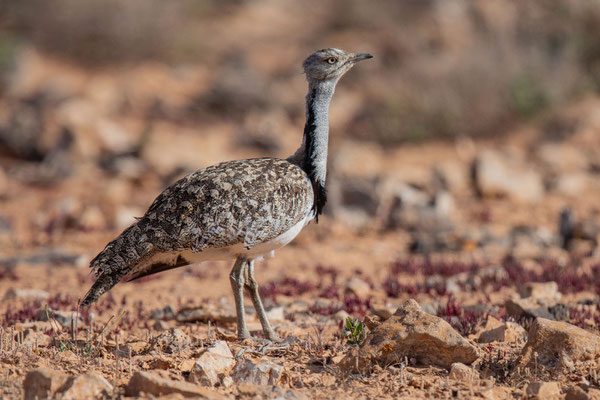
{"x":239,"y":210}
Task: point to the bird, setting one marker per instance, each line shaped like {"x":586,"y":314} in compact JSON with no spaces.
{"x":242,"y":210}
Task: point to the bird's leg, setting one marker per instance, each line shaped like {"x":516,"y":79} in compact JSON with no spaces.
{"x":236,"y":277}
{"x":252,"y":287}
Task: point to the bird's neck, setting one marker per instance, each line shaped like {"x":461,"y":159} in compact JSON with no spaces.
{"x":312,"y":154}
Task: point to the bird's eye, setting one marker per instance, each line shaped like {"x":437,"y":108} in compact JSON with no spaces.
{"x":332,"y":60}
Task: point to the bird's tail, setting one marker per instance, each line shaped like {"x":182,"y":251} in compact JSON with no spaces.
{"x":116,"y":260}
{"x":103,"y":284}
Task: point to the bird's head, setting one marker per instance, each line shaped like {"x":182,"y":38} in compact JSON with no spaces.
{"x":332,"y":63}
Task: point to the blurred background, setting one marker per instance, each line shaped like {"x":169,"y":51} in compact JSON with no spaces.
{"x":464,"y":166}
{"x":475,"y":127}
{"x":464,"y":158}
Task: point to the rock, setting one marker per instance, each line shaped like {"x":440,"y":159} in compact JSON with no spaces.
{"x":525,"y":247}
{"x":508,"y":332}
{"x":358,"y":287}
{"x":36,"y":326}
{"x":43,"y":383}
{"x":186,"y":365}
{"x":172,"y":341}
{"x":593,"y":394}
{"x":577,"y":235}
{"x":326,"y":306}
{"x":160,"y":325}
{"x":126,"y":166}
{"x":28,"y":294}
{"x":558,"y":344}
{"x":360,"y":194}
{"x":263,"y":372}
{"x":403,"y":194}
{"x":441,"y":283}
{"x":452,"y":285}
{"x":371,"y":323}
{"x":493,"y":272}
{"x":453,"y":176}
{"x":561,"y":157}
{"x":540,"y":290}
{"x":576,"y":393}
{"x":341,"y":315}
{"x":498,"y":175}
{"x":87,"y":386}
{"x":496,"y":393}
{"x":492,"y":323}
{"x":407,"y":207}
{"x":412,"y":333}
{"x":460,"y":372}
{"x":431,"y":308}
{"x":443,"y":204}
{"x":161,"y":362}
{"x":152,"y":384}
{"x":123,"y":350}
{"x":92,"y":219}
{"x":356,"y":200}
{"x":582,"y":392}
{"x":584,"y":248}
{"x":298,"y":306}
{"x":481,"y":309}
{"x":382,"y":311}
{"x":163,"y":313}
{"x":227,"y":381}
{"x":31,"y":338}
{"x":64,"y":318}
{"x":3,"y":183}
{"x":572,"y":184}
{"x":437,"y":238}
{"x":137,"y":347}
{"x":533,"y":308}
{"x":215,"y":360}
{"x":560,"y":312}
{"x":250,"y":391}
{"x":543,"y":390}
{"x":208,"y":312}
{"x":113,"y":137}
{"x":276,"y":314}
{"x":55,"y":257}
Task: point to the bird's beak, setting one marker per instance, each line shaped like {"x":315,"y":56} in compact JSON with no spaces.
{"x":360,"y":56}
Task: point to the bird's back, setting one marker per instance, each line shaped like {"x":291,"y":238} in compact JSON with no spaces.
{"x":247,"y":201}
{"x":237,"y":203}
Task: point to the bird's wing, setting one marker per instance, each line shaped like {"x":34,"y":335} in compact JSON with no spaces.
{"x":248,"y":202}
{"x":156,"y":267}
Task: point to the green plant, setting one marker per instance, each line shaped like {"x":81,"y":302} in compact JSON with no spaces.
{"x":527,"y":96}
{"x":354,"y":331}
{"x":8,"y":48}
{"x":83,"y":348}
{"x":66,"y":345}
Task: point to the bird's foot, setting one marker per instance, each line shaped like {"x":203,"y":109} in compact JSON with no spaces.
{"x":260,"y":341}
{"x":254,"y":341}
{"x":272,"y":336}
{"x":243,"y":335}
{"x":260,"y":346}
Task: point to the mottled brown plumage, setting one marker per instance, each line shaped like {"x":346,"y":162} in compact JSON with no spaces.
{"x":246,"y":201}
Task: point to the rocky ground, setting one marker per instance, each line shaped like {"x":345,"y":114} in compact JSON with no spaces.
{"x":464,"y":269}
